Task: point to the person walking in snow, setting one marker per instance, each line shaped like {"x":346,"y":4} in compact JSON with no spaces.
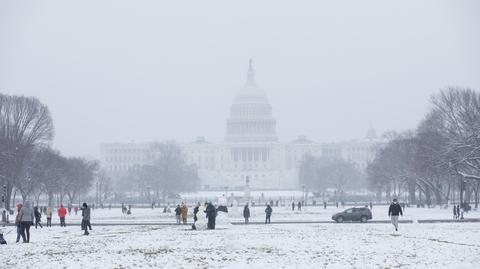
{"x":17,"y":222}
{"x":454,"y":212}
{"x":393,"y":211}
{"x":211,"y":213}
{"x":458,"y":211}
{"x":26,"y":220}
{"x":293,"y":206}
{"x":38,"y":217}
{"x":62,"y":212}
{"x":178,"y":213}
{"x":184,"y":213}
{"x":86,"y":219}
{"x":299,"y":206}
{"x":246,"y":213}
{"x":268,"y":214}
{"x":49,"y":217}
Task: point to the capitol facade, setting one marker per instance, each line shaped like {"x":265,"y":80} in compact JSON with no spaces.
{"x":250,"y":152}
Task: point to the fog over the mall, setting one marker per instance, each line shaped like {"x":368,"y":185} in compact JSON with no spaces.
{"x":117,"y":71}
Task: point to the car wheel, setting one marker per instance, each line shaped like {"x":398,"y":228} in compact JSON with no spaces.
{"x":340,"y":219}
{"x":364,"y":219}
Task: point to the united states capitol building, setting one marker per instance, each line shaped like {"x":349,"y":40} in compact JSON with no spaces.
{"x":250,"y":151}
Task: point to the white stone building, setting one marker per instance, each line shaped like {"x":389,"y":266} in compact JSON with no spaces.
{"x":250,"y":151}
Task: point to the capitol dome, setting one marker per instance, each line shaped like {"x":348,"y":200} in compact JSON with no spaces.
{"x":251,"y":116}
{"x":251,"y":92}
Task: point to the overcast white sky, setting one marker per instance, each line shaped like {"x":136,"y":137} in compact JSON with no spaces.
{"x":116,"y":71}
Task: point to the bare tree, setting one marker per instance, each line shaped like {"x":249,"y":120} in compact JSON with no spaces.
{"x":321,"y":173}
{"x":25,"y":124}
{"x":167,"y":173}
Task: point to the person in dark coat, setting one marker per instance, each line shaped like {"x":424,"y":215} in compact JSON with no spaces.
{"x":246,"y":213}
{"x":86,"y":219}
{"x":299,"y":205}
{"x":38,"y":217}
{"x":2,"y":240}
{"x":211,"y":215}
{"x":178,"y":214}
{"x":293,"y":206}
{"x":195,"y":211}
{"x":458,"y":211}
{"x":393,"y":211}
{"x":454,"y":212}
{"x":268,"y":214}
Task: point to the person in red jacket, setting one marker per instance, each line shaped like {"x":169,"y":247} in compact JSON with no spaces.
{"x":62,"y":212}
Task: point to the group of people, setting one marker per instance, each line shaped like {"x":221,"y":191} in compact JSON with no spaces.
{"x":27,"y":216}
{"x":212,"y":212}
{"x":268,"y":213}
{"x":457,"y":212}
{"x":299,"y":206}
{"x":181,"y":213}
{"x":126,"y":210}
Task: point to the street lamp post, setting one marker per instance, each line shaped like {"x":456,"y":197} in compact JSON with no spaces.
{"x":148,"y":193}
{"x":304,"y":194}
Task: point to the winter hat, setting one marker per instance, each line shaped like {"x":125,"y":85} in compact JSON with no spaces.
{"x":84,"y":205}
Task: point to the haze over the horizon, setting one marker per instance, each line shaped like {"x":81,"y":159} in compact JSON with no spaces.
{"x":117,"y":71}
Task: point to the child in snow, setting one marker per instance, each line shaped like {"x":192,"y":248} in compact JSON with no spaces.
{"x":2,"y":240}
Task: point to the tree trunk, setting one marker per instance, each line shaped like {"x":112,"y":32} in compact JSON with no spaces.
{"x":477,"y":186}
{"x":378,"y":195}
{"x":24,"y":196}
{"x":8,"y":195}
{"x":461,"y":192}
{"x":388,"y":196}
{"x":411,"y":192}
{"x":14,"y":197}
{"x":50,"y":199}
{"x":428,"y":195}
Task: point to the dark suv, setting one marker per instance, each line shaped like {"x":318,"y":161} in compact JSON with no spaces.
{"x":353,"y":214}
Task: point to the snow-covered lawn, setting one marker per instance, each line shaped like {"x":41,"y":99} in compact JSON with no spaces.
{"x":453,"y":245}
{"x":279,"y":214}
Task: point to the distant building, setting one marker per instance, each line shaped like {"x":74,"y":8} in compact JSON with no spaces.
{"x":250,"y":150}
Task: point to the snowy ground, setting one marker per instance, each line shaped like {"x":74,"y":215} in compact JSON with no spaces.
{"x":140,"y":215}
{"x":452,"y":245}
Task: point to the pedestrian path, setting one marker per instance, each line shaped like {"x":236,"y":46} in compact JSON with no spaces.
{"x":164,"y":223}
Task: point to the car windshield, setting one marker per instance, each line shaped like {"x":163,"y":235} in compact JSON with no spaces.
{"x":349,"y":210}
